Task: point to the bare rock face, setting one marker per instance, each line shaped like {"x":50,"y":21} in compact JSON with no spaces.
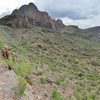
{"x":28,"y":16}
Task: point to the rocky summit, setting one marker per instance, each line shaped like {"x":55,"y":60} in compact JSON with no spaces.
{"x":28,"y":16}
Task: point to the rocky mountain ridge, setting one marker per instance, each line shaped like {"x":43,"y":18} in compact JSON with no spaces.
{"x":28,"y":16}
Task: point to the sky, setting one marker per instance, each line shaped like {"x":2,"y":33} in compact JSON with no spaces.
{"x":83,"y":13}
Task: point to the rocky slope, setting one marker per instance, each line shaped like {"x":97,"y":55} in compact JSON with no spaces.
{"x":65,"y":64}
{"x":92,"y":33}
{"x":28,"y":16}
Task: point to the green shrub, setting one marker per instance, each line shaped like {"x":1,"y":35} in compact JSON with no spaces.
{"x":2,"y":42}
{"x":20,"y":88}
{"x":43,"y":80}
{"x":93,"y":83}
{"x":91,"y":96}
{"x":79,"y":96}
{"x":58,"y":81}
{"x":56,"y":96}
{"x":39,"y":73}
{"x":22,"y":69}
{"x":10,"y":62}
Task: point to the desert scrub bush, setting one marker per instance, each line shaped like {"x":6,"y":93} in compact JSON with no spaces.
{"x":9,"y":62}
{"x":20,"y":48}
{"x":80,"y":84}
{"x":2,"y":42}
{"x":39,"y":73}
{"x":91,"y":96}
{"x":98,"y":91}
{"x":59,"y":80}
{"x":55,"y":95}
{"x":71,"y":98}
{"x":80,"y":96}
{"x":22,"y":69}
{"x":94,"y":83}
{"x":43,"y":80}
{"x":93,"y":77}
{"x":54,"y":66}
{"x":20,"y":88}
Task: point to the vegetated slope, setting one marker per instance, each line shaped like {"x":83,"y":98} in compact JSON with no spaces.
{"x":65,"y":65}
{"x":90,"y":33}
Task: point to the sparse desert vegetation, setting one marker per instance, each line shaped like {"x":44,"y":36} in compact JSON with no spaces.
{"x":42,"y":59}
{"x":67,"y":63}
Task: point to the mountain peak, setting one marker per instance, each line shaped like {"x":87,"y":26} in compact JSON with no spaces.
{"x":32,"y":5}
{"x":25,"y":9}
{"x":28,"y":16}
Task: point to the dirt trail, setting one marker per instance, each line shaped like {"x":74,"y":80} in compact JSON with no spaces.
{"x":7,"y":82}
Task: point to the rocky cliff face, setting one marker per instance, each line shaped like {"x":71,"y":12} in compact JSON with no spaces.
{"x":28,"y":16}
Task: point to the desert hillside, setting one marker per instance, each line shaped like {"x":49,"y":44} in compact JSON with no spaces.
{"x":41,"y":63}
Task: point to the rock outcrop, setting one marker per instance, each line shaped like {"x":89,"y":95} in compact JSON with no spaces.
{"x":28,"y":16}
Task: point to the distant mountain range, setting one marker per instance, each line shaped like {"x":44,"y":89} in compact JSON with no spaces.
{"x":28,"y":16}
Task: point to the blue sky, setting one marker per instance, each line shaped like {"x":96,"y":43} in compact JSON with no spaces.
{"x":84,"y":13}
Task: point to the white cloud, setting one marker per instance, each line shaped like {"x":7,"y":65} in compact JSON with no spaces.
{"x":9,"y":5}
{"x":83,"y":23}
{"x":74,"y":9}
{"x":84,"y":13}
